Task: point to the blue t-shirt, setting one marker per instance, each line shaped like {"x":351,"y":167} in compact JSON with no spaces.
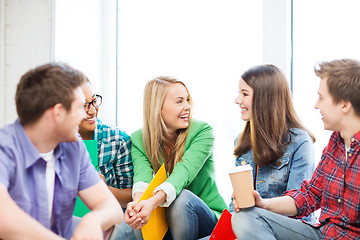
{"x":22,"y":172}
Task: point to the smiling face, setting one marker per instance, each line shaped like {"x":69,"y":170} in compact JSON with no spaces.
{"x":88,"y":125}
{"x":244,"y":100}
{"x":176,"y":108}
{"x":329,"y":110}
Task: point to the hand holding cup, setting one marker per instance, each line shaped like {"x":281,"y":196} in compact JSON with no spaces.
{"x":242,"y":181}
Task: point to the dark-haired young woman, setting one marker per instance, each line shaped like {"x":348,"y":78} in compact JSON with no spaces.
{"x":274,"y":142}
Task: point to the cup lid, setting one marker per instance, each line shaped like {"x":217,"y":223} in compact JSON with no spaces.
{"x":240,"y":168}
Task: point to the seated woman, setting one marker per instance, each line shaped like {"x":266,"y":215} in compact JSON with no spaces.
{"x":274,"y":142}
{"x":185,"y":146}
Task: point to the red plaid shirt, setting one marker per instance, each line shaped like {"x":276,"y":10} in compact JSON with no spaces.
{"x":335,"y":188}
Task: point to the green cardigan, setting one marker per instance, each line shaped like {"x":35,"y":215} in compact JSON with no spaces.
{"x":195,"y":171}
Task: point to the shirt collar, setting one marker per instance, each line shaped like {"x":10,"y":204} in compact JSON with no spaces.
{"x":353,"y":140}
{"x":356,"y":139}
{"x":32,"y":155}
{"x":98,"y":130}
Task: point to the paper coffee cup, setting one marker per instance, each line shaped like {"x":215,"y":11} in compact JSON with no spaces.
{"x":242,"y":181}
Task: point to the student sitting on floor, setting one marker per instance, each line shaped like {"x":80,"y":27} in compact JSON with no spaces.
{"x":335,"y":185}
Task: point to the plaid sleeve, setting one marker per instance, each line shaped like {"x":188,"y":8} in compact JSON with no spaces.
{"x":308,"y":198}
{"x":124,"y":170}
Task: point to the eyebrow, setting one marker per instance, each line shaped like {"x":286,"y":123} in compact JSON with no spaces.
{"x":92,"y":97}
{"x":187,"y":97}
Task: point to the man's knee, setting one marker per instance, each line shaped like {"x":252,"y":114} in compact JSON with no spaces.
{"x":245,"y":220}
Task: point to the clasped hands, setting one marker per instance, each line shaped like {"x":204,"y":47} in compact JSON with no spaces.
{"x":137,"y":214}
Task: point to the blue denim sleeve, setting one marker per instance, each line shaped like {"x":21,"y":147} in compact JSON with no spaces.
{"x":303,"y":162}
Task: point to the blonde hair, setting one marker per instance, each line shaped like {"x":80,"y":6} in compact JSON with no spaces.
{"x":155,"y":131}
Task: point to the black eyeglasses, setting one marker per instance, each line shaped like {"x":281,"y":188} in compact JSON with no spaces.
{"x":96,"y":102}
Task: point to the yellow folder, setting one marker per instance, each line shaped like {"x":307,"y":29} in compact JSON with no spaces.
{"x":157,"y":225}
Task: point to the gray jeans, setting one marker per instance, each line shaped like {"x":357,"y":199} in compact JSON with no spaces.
{"x":258,"y":223}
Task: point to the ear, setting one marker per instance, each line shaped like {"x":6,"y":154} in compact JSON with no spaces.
{"x":346,"y":106}
{"x":58,"y":112}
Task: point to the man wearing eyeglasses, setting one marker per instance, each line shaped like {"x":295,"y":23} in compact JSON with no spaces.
{"x":115,"y":165}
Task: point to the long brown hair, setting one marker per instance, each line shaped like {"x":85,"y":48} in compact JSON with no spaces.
{"x":273,"y":115}
{"x":155,"y":131}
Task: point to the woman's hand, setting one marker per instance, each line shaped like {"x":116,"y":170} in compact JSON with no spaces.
{"x":130,"y":215}
{"x":143,"y":210}
{"x":130,"y":212}
{"x":138,"y":214}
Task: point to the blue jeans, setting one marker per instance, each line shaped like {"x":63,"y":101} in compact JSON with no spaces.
{"x":124,"y":232}
{"x":188,"y":217}
{"x":258,"y":223}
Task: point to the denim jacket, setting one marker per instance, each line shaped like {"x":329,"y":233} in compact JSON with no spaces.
{"x":288,"y":172}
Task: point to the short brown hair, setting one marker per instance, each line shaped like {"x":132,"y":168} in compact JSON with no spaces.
{"x":42,"y":87}
{"x":343,"y":80}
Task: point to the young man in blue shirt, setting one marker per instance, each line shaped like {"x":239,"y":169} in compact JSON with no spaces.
{"x":44,"y":164}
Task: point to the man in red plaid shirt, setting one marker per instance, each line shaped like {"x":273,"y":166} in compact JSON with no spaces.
{"x":335,"y":184}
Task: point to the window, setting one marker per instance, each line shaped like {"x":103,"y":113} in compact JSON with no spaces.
{"x":323,"y":30}
{"x":206,"y":44}
{"x":85,"y":37}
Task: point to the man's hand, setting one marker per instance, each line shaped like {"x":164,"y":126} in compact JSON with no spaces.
{"x":88,"y":228}
{"x":105,"y":212}
{"x":259,"y":202}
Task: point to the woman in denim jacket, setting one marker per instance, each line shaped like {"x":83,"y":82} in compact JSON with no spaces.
{"x":274,"y":142}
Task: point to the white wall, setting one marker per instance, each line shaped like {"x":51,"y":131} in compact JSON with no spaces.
{"x":321,"y":37}
{"x":277,"y":34}
{"x":85,"y":38}
{"x":26,"y":28}
{"x":206,"y":44}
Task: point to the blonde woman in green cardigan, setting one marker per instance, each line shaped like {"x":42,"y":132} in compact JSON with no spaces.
{"x":185,"y":146}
